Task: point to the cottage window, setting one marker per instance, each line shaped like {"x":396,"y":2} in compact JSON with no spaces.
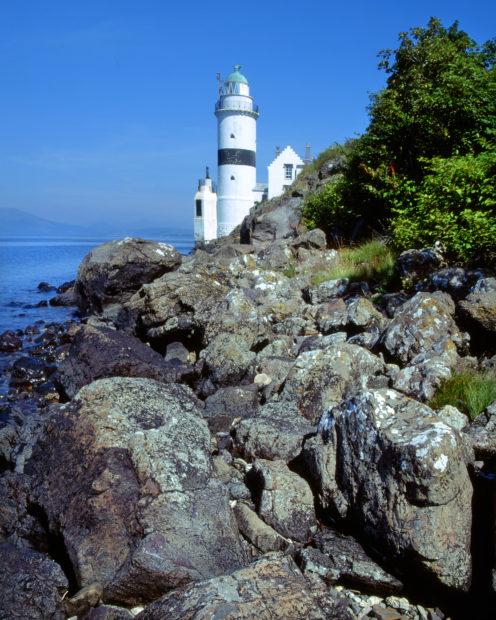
{"x":288,"y":171}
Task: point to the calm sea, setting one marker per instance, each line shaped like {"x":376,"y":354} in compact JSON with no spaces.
{"x":26,"y":261}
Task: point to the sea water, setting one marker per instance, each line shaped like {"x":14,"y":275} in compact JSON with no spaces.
{"x":27,"y":261}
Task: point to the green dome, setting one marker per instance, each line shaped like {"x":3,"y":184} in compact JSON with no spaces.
{"x":236,"y":76}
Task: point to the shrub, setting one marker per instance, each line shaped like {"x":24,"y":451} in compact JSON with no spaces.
{"x":470,"y":392}
{"x":372,"y":261}
{"x":455,"y":203}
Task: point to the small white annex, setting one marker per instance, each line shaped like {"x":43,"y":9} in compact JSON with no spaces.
{"x":286,"y":166}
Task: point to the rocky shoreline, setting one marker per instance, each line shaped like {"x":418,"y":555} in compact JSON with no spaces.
{"x":219,"y":436}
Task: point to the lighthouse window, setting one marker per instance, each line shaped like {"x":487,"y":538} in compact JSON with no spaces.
{"x":232,"y":135}
{"x":288,"y":171}
{"x":232,"y":177}
{"x":198,"y":208}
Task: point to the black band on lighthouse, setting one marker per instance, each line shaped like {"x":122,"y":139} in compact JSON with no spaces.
{"x":238,"y":157}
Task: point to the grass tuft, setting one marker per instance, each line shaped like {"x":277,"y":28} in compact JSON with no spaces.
{"x":469,"y":391}
{"x":372,"y":261}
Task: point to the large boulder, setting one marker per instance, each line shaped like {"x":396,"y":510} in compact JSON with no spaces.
{"x":415,"y":264}
{"x":322,"y":378}
{"x":100,"y":352}
{"x":112,"y":272}
{"x":229,"y":404}
{"x":399,"y":472}
{"x":479,"y":308}
{"x":338,"y":557}
{"x":178,"y":306}
{"x":272,"y":588}
{"x":276,"y":431}
{"x":277,"y":219}
{"x":424,"y":325}
{"x":284,"y":500}
{"x":228,"y":360}
{"x":124,"y":476}
{"x":32,"y":586}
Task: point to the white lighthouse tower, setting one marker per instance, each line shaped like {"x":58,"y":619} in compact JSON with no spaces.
{"x":237,"y":130}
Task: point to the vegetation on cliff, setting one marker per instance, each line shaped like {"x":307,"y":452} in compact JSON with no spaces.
{"x":425,"y":169}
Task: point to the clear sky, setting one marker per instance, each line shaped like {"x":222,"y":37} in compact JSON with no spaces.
{"x":106,"y":106}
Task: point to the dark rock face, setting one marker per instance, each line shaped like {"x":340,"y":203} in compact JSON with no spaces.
{"x":337,"y":557}
{"x":124,"y":476}
{"x":284,"y":499}
{"x":30,"y":371}
{"x":227,"y":404}
{"x":31,"y":585}
{"x":100,"y":352}
{"x":228,"y":360}
{"x":480,"y":309}
{"x":9,"y":342}
{"x":457,"y":281}
{"x":415,"y":264}
{"x":66,"y":298}
{"x":399,"y":471}
{"x":278,"y":220}
{"x":46,"y":287}
{"x":271,"y":588}
{"x":113,"y":271}
{"x":276,"y":431}
{"x":482,"y":433}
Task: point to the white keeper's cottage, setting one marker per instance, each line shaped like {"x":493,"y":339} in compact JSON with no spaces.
{"x":217,"y":213}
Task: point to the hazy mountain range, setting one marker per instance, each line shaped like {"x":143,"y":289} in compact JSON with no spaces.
{"x":18,"y":223}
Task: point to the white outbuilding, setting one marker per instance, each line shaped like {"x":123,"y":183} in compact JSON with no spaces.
{"x":283,"y":170}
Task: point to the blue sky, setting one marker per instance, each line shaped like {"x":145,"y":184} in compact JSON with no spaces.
{"x":107,"y":105}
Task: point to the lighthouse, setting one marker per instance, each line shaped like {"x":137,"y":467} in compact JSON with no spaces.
{"x":237,"y":144}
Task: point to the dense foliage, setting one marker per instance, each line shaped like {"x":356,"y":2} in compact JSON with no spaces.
{"x":425,"y":167}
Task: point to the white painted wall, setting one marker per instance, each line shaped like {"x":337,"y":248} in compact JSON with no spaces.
{"x":205,"y":227}
{"x":276,"y":171}
{"x":236,"y":122}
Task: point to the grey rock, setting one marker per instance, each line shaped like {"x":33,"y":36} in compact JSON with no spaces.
{"x":484,"y":285}
{"x":337,"y":557}
{"x":276,"y":431}
{"x":457,"y":281}
{"x":480,"y":309}
{"x":31,"y":585}
{"x":326,"y":291}
{"x":452,"y":417}
{"x":113,"y":271}
{"x":424,"y":375}
{"x":272,"y":588}
{"x":67,"y":298}
{"x":100,"y":352}
{"x":482,"y":433}
{"x":277,"y":219}
{"x":321,"y":379}
{"x":277,"y":369}
{"x":284,"y":500}
{"x":312,"y":239}
{"x":395,"y":468}
{"x":108,"y":612}
{"x":424,"y":324}
{"x":312,"y":343}
{"x":228,"y":360}
{"x":142,"y":512}
{"x":177,"y":351}
{"x":228,"y":404}
{"x":357,"y":314}
{"x":264,"y":537}
{"x":415,"y":264}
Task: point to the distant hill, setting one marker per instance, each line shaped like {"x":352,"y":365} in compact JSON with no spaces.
{"x":18,"y":223}
{"x":14,"y":222}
